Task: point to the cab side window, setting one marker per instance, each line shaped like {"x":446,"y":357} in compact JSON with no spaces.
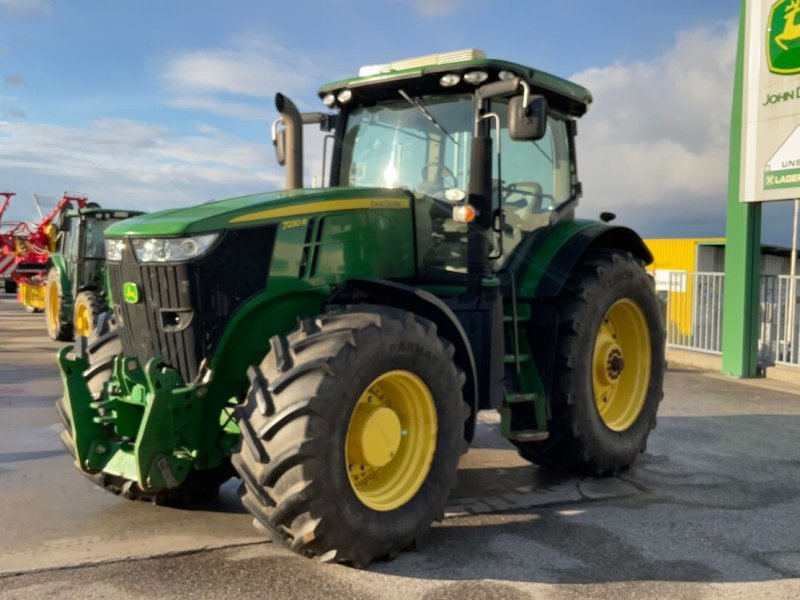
{"x":73,"y":237}
{"x":533,"y":179}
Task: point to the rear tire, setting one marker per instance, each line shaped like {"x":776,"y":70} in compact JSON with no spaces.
{"x":199,"y":485}
{"x":312,"y":474}
{"x":10,"y":286}
{"x":609,"y":369}
{"x":59,"y":329}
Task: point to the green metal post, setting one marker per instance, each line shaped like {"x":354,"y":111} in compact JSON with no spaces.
{"x":742,"y":248}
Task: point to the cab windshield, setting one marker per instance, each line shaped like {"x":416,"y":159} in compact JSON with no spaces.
{"x":396,"y":145}
{"x":423,"y":145}
{"x":94,"y":242}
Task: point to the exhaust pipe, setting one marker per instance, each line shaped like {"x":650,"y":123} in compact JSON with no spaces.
{"x":291,"y":148}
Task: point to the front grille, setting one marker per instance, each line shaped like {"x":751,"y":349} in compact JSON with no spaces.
{"x":183,"y":308}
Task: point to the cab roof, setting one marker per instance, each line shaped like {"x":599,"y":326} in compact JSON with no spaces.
{"x":106,"y":213}
{"x":422,"y":75}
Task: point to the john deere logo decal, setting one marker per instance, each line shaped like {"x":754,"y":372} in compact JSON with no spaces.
{"x":783,"y":37}
{"x":131,"y":291}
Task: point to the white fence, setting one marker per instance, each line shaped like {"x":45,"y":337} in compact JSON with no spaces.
{"x":778,"y":340}
{"x":692,"y":305}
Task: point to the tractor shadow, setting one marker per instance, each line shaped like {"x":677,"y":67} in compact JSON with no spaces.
{"x":714,"y":499}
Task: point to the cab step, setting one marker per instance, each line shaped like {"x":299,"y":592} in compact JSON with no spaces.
{"x":529,"y":435}
{"x":521,"y":398}
{"x":510,"y":359}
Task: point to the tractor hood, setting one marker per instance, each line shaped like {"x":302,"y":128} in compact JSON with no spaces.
{"x":249,"y":211}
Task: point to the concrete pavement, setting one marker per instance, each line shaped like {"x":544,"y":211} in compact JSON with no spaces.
{"x":711,"y":510}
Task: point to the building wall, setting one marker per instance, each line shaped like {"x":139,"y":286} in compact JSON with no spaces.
{"x":677,"y":254}
{"x":688,"y":255}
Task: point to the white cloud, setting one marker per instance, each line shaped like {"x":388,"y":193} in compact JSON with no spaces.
{"x":436,"y":8}
{"x":240,"y":110}
{"x":128,"y":163}
{"x":655,"y":141}
{"x":132,"y":163}
{"x":26,"y":7}
{"x":242,"y":80}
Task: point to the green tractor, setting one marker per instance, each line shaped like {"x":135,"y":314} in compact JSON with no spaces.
{"x":74,"y":290}
{"x":335,"y":344}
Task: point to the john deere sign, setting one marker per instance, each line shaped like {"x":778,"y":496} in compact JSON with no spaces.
{"x":771,"y":102}
{"x":783,"y":38}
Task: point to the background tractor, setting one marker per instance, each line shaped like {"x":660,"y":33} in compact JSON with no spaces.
{"x":335,"y":344}
{"x":74,"y":288}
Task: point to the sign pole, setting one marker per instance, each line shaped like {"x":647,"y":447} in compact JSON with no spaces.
{"x":791,"y":298}
{"x":742,"y":246}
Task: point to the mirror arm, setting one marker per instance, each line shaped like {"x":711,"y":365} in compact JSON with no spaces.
{"x":526,"y":94}
{"x":274,"y":130}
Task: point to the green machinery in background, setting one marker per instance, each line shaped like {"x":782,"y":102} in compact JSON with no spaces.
{"x":335,"y":344}
{"x":74,"y":291}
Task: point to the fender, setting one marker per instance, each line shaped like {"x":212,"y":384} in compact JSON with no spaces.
{"x":424,"y":304}
{"x":542,"y":263}
{"x":246,"y":338}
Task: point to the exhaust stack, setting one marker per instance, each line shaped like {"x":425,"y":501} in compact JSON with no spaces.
{"x":289,"y":141}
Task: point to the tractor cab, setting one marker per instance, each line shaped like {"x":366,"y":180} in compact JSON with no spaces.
{"x":410,"y":125}
{"x":81,"y":243}
{"x":75,"y":294}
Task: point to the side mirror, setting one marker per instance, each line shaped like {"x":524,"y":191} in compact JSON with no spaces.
{"x":63,"y":225}
{"x":527,"y":122}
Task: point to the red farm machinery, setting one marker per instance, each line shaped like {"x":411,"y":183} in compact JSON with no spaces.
{"x":10,"y":232}
{"x":32,"y":248}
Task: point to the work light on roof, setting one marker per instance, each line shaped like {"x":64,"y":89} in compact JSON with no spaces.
{"x":476,"y":77}
{"x":329,"y":100}
{"x":450,"y":79}
{"x":506,"y":75}
{"x":427,"y":60}
{"x":344,"y":96}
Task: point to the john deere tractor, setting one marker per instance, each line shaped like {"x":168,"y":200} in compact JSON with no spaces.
{"x":74,"y":290}
{"x":335,"y":344}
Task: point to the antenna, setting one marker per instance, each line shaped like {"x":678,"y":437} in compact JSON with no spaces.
{"x":38,"y":206}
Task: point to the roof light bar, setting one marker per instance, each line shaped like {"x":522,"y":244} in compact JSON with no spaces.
{"x":422,"y":61}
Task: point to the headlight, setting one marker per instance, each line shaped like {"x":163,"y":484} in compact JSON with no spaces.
{"x":172,"y":249}
{"x":114,"y":249}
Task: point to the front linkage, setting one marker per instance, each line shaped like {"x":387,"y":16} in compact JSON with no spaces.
{"x":143,"y":427}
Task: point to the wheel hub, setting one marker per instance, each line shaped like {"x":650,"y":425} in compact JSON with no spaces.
{"x":391,"y":440}
{"x":375,"y":435}
{"x":82,"y":321}
{"x":614,"y":364}
{"x":621,"y":365}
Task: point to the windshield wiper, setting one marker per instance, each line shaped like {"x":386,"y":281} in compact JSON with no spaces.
{"x":416,"y":103}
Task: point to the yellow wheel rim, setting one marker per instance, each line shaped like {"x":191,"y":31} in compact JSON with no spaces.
{"x":53,"y":305}
{"x":81,"y":320}
{"x":621,"y":365}
{"x":391,"y":440}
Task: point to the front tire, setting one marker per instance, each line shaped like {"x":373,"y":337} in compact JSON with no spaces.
{"x":88,"y":308}
{"x":351,"y":434}
{"x":609,"y":372}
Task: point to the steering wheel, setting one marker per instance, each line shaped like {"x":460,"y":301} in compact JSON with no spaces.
{"x":442,"y":171}
{"x":531,"y":189}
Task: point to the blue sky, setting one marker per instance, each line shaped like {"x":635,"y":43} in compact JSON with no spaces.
{"x":155,"y":104}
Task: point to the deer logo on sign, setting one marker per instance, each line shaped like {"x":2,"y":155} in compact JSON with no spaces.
{"x":791,"y":29}
{"x":783,"y":37}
